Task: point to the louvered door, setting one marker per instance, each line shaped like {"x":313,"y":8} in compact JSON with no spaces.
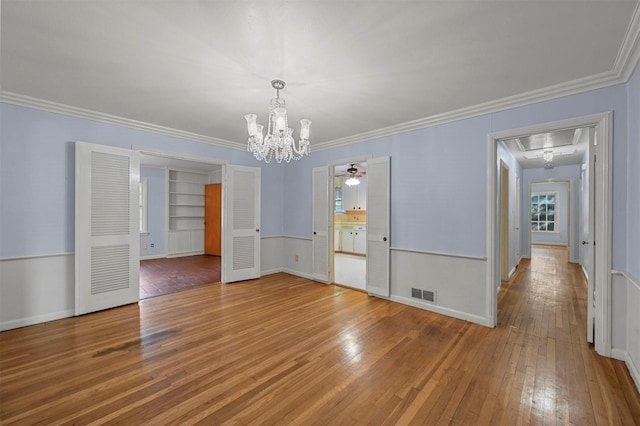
{"x":107,"y":238}
{"x":241,"y":224}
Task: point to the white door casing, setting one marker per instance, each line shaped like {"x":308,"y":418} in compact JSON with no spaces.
{"x":588,"y":240}
{"x":107,"y":235}
{"x":320,"y":223}
{"x":516,"y":220}
{"x":241,"y":223}
{"x":601,"y":242}
{"x":378,"y":226}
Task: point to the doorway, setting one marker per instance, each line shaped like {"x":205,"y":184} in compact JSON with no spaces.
{"x":177,"y":251}
{"x":600,"y":126}
{"x":350,"y":224}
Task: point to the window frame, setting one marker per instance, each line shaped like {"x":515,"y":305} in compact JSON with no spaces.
{"x":556,"y":212}
{"x":144,"y":206}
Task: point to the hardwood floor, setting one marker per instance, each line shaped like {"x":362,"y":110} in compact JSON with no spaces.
{"x":168,"y":275}
{"x":286,"y":350}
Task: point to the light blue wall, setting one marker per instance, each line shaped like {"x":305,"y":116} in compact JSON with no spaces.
{"x":37,"y":176}
{"x":438,"y":175}
{"x":437,"y":186}
{"x":633,"y":177}
{"x":156,"y":212}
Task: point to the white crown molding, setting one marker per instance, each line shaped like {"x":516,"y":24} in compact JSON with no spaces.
{"x":629,"y":53}
{"x":44,"y":105}
{"x":552,"y":92}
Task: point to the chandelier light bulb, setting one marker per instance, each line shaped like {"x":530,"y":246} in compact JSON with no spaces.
{"x":251,"y":124}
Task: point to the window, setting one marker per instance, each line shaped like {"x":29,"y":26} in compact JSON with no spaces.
{"x":543,"y":211}
{"x":144,"y":187}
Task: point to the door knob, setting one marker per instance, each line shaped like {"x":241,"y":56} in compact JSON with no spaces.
{"x":384,"y":238}
{"x":584,"y":243}
{"x":257,"y":230}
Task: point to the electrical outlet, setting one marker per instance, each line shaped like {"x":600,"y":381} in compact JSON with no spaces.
{"x":296,"y":258}
{"x":153,"y":245}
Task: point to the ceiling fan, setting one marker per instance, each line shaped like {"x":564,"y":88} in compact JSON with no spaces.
{"x":354,"y":174}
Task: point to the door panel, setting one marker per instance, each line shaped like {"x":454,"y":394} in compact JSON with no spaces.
{"x":320,"y":224}
{"x":213,"y":219}
{"x":378,"y":226}
{"x":241,"y":218}
{"x":107,"y":235}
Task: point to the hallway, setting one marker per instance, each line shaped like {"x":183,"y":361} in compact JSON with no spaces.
{"x":556,"y":372}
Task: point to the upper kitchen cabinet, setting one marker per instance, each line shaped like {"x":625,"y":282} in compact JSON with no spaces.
{"x":355,"y":197}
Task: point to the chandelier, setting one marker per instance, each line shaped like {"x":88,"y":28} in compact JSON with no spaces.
{"x":278,"y":142}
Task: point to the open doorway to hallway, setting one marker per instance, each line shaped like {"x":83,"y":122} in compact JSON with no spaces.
{"x":597,"y":198}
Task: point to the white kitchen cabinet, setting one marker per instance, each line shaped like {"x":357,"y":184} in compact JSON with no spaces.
{"x":347,"y":241}
{"x":355,"y":197}
{"x":337,"y":236}
{"x":360,"y":242}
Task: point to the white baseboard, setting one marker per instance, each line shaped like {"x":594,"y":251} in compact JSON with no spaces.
{"x":634,"y":371}
{"x":441,"y":310}
{"x":551,"y":243}
{"x":23,"y":322}
{"x":271,"y":271}
{"x":186,"y":253}
{"x":153,"y":256}
{"x":584,"y":272}
{"x":298,"y":273}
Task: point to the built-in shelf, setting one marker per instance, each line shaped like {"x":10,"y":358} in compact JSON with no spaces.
{"x":186,"y":212}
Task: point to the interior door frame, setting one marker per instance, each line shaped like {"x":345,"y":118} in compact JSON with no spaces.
{"x":504,"y":221}
{"x":331,"y":242}
{"x":144,"y":151}
{"x":603,"y":123}
{"x":571,"y":202}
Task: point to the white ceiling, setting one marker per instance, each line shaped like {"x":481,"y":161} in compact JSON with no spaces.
{"x":568,"y":147}
{"x":350,"y":66}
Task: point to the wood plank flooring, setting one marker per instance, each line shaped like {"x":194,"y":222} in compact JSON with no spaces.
{"x":169,"y":275}
{"x":286,"y":350}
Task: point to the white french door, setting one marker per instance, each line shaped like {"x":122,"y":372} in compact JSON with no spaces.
{"x":320,"y":224}
{"x":378,"y":226}
{"x":107,"y":235}
{"x":241,"y":224}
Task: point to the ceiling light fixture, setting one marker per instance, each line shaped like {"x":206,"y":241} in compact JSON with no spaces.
{"x":548,"y":155}
{"x":278,"y":142}
{"x":352,"y":180}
